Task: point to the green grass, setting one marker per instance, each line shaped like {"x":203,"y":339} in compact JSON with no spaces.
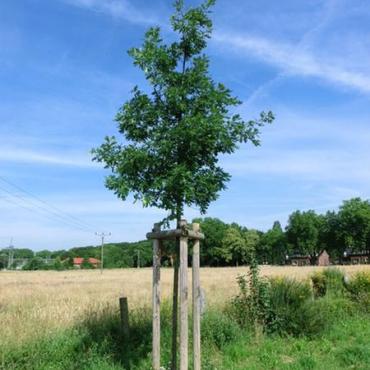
{"x":345,"y":346}
{"x":97,"y":344}
{"x":330,"y":332}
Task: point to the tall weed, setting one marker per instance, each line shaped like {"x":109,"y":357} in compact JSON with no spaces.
{"x":328,"y":282}
{"x":359,"y":289}
{"x":251,"y":306}
{"x":218,"y":329}
{"x":292,"y":309}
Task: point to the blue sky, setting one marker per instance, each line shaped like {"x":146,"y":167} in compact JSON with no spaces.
{"x":64,"y":72}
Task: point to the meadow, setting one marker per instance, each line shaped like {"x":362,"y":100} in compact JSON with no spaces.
{"x":72,"y":312}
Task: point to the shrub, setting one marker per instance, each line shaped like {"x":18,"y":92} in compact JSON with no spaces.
{"x":359,"y":283}
{"x":35,"y":263}
{"x":306,"y":320}
{"x":359,"y":289}
{"x":334,"y":309}
{"x":251,"y":306}
{"x":329,"y":281}
{"x":318,"y":284}
{"x":57,"y":265}
{"x":293,"y":311}
{"x":288,"y":308}
{"x":86,"y":264}
{"x":291,"y":307}
{"x":218,"y":328}
{"x":285,"y":291}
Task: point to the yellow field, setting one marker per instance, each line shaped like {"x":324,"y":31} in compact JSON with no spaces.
{"x":33,"y":303}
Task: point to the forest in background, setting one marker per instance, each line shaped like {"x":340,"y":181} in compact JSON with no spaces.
{"x":231,"y":244}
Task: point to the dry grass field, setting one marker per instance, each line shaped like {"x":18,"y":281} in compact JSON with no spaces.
{"x":36,"y":303}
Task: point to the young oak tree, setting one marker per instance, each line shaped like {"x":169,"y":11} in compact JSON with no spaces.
{"x":176,"y":132}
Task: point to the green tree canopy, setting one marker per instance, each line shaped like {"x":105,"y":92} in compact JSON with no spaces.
{"x":3,"y":260}
{"x":354,"y":224}
{"x":43,"y":254}
{"x":252,"y":239}
{"x":303,"y":232}
{"x":214,"y":231}
{"x":233,"y":245}
{"x":35,"y":263}
{"x":331,"y":235}
{"x":238,"y":246}
{"x":23,"y":253}
{"x":175,"y":133}
{"x":273,"y":246}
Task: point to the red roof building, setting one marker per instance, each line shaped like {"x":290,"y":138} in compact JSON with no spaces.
{"x":94,"y":261}
{"x":78,"y":261}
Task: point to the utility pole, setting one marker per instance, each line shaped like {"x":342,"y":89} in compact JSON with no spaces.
{"x":102,"y":235}
{"x":10,"y":254}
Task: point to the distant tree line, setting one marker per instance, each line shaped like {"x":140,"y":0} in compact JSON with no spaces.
{"x":115,"y":255}
{"x":306,"y":233}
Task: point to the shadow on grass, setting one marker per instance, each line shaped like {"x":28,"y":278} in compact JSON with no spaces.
{"x":103,"y":331}
{"x":97,"y":342}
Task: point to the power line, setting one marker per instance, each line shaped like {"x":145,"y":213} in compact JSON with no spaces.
{"x":65,"y":214}
{"x":38,"y":207}
{"x":31,"y":206}
{"x":27,"y":208}
{"x":17,"y":204}
{"x":53,"y":209}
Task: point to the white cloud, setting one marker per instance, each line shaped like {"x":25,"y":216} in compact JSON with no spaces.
{"x":15,"y":155}
{"x":115,"y":8}
{"x":37,"y":229}
{"x":318,"y":165}
{"x":295,"y":61}
{"x":334,"y":129}
{"x":97,"y":204}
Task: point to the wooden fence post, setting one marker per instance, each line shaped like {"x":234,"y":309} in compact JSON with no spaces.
{"x":123,"y":308}
{"x":196,"y":302}
{"x":156,"y":301}
{"x":175,"y":311}
{"x":183,"y":300}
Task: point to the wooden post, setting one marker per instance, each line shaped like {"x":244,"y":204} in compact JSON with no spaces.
{"x":123,"y":307}
{"x":183,"y":300}
{"x":175,"y":306}
{"x":156,"y":300}
{"x":182,"y":235}
{"x":196,"y":302}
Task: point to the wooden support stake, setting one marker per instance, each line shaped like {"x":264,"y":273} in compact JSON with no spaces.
{"x":175,"y":307}
{"x":123,"y":307}
{"x":196,"y":302}
{"x":183,"y":300}
{"x":156,"y":301}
